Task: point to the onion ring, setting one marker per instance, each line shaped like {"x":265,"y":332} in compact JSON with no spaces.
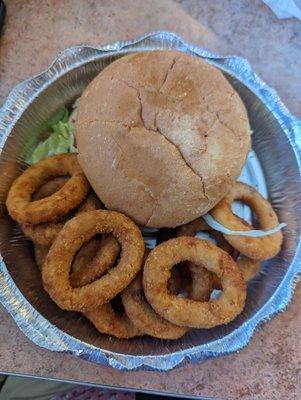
{"x":258,"y":249}
{"x":85,"y":255}
{"x":107,"y":252}
{"x":144,"y":317}
{"x":92,"y":260}
{"x":201,"y":283}
{"x":77,"y":231}
{"x":49,"y":188}
{"x":107,"y":320}
{"x":23,"y":210}
{"x":45,"y":233}
{"x":84,"y":272}
{"x":141,"y":313}
{"x":196,"y":282}
{"x":104,"y":318}
{"x":188,"y":312}
{"x":248,"y":267}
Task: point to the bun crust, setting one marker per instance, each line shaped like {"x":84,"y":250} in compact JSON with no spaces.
{"x":162,"y":136}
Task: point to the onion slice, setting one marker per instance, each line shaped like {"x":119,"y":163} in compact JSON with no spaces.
{"x":251,"y":233}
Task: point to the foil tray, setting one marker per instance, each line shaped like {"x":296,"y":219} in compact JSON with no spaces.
{"x":274,"y":168}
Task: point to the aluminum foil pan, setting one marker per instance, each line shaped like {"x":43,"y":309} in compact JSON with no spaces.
{"x":274,"y":168}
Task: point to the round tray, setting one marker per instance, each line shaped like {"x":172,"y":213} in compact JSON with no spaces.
{"x":274,"y":168}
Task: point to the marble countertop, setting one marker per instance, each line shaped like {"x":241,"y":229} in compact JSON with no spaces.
{"x":270,"y":366}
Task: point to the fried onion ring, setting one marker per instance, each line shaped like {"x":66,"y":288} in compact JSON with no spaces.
{"x":77,"y":231}
{"x":144,"y":317}
{"x":107,"y":320}
{"x":247,"y":266}
{"x":188,"y":312}
{"x":45,"y":233}
{"x":51,"y":208}
{"x":107,"y":252}
{"x":104,"y":318}
{"x":49,"y":188}
{"x":92,"y":260}
{"x":255,"y":248}
{"x":85,"y":255}
{"x":201,"y":283}
{"x":196,"y":282}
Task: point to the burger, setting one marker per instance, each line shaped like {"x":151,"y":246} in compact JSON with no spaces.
{"x":162,"y":136}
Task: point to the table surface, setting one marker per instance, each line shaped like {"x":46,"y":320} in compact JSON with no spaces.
{"x":270,"y":366}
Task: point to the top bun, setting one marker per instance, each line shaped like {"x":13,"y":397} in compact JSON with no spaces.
{"x":162,"y":136}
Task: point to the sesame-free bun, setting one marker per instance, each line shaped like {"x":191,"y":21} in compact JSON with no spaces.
{"x":162,"y":136}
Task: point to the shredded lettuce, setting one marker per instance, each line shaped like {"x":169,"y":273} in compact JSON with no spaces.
{"x":251,"y":233}
{"x":60,"y":139}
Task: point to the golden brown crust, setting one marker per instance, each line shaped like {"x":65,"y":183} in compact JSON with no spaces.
{"x":107,"y":320}
{"x":42,"y":234}
{"x":248,"y":269}
{"x":247,"y":266}
{"x":45,"y":233}
{"x":77,"y":231}
{"x":49,"y":188}
{"x":201,"y":283}
{"x":104,"y":318}
{"x":92,"y":261}
{"x":144,"y":317}
{"x":42,"y":238}
{"x":188,"y":312}
{"x":171,"y":130}
{"x":104,"y":254}
{"x":51,"y":208}
{"x":261,"y":248}
{"x":85,"y":255}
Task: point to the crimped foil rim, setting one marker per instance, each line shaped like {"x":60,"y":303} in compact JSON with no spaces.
{"x":47,"y":335}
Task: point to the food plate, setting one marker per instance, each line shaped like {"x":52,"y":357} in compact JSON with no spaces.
{"x":273,"y":167}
